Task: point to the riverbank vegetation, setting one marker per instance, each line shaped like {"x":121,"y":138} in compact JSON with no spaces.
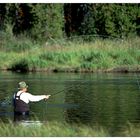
{"x":21,"y":54}
{"x":56,"y":129}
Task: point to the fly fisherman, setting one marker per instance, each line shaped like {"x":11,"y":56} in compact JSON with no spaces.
{"x":22,"y":99}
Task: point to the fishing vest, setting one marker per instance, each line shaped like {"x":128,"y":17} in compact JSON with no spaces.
{"x":19,"y":105}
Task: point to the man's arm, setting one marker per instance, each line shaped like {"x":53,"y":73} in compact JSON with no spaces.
{"x":36,"y":98}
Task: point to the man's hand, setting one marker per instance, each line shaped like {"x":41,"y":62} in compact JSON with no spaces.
{"x":47,"y":97}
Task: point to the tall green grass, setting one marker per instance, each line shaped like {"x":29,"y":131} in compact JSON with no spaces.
{"x":58,"y":129}
{"x":51,"y":129}
{"x":88,"y":56}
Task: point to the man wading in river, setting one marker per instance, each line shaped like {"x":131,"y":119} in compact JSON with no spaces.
{"x":22,"y":99}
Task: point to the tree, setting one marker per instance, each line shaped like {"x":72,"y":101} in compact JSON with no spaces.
{"x":117,"y":20}
{"x":2,"y":15}
{"x":39,"y":21}
{"x":49,"y":21}
{"x":45,"y":21}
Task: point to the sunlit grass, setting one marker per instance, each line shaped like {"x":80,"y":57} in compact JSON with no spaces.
{"x":51,"y":129}
{"x":59,"y":129}
{"x":92,"y":56}
{"x":130,"y":130}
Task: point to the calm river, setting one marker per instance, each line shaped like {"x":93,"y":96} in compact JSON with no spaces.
{"x":109,"y":100}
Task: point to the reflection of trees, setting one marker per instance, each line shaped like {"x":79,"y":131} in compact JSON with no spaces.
{"x":136,"y":92}
{"x":95,"y":100}
{"x":107,"y":101}
{"x":138,"y":107}
{"x":80,"y":95}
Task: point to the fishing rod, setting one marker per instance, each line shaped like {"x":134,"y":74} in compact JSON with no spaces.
{"x":62,"y":90}
{"x":66,"y":89}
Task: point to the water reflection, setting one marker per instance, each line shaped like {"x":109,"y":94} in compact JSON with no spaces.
{"x":111,"y":105}
{"x":108,"y":100}
{"x":80,"y":95}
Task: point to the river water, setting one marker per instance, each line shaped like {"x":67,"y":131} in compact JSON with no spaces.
{"x":109,"y":100}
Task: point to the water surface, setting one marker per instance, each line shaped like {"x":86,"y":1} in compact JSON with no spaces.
{"x":107,"y":100}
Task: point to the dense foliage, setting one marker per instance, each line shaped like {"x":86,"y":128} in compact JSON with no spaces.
{"x":119,"y":20}
{"x":38,"y":21}
{"x":48,"y":21}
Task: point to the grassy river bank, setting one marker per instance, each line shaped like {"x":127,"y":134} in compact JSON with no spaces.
{"x":56,"y":129}
{"x":65,"y":56}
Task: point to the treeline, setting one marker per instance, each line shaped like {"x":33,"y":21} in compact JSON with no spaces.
{"x":45,"y":21}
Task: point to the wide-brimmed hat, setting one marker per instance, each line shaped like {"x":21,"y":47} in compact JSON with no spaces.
{"x":22,"y":85}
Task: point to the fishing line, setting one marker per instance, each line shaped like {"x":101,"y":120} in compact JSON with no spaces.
{"x":67,"y":89}
{"x":60,"y":92}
